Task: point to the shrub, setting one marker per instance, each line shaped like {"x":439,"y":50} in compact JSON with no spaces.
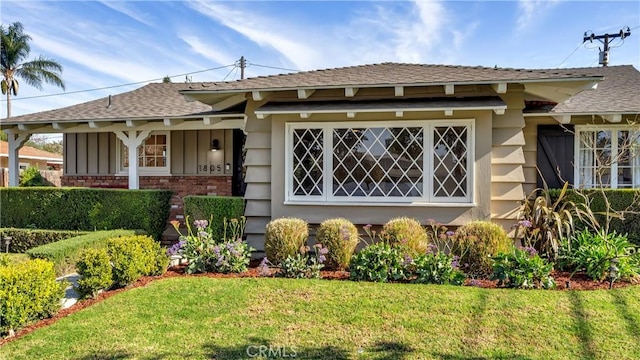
{"x":627,"y":200}
{"x":340,"y":237}
{"x":85,"y":209}
{"x":94,"y":268}
{"x":31,"y":177}
{"x":135,"y":256}
{"x":25,"y":239}
{"x":304,"y":265}
{"x":215,"y":208}
{"x":522,"y":268}
{"x":476,"y":242}
{"x":408,"y":232}
{"x":65,"y":253}
{"x":593,"y":253}
{"x":379,"y":262}
{"x":284,"y":237}
{"x":28,"y":292}
{"x":204,"y":253}
{"x":437,"y":268}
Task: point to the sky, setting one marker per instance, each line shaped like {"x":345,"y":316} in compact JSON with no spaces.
{"x":105,"y":44}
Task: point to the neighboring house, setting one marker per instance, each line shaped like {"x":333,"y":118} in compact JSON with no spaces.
{"x":30,"y":156}
{"x":368,"y":143}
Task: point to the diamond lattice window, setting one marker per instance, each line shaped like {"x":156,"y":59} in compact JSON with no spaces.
{"x":413,"y":161}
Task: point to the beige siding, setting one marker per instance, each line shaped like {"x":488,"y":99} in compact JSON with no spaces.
{"x":103,"y":153}
{"x":507,"y":160}
{"x":92,"y":153}
{"x":70,"y":151}
{"x":82,"y":154}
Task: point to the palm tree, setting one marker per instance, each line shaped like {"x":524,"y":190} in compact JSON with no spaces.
{"x":15,"y":50}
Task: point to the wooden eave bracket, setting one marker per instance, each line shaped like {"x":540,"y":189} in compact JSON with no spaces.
{"x":613,"y":118}
{"x":562,"y":119}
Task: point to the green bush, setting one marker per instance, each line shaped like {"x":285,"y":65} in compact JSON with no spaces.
{"x":94,"y":268}
{"x":593,"y":253}
{"x":304,"y":265}
{"x":65,"y":253}
{"x":407,"y":232}
{"x":340,"y":237}
{"x":437,"y":268}
{"x":522,"y":268}
{"x":620,"y":199}
{"x":379,"y":262}
{"x":31,"y":177}
{"x":28,"y":292}
{"x":85,"y":209}
{"x":284,"y":237}
{"x":476,"y":242}
{"x":135,"y":256}
{"x":25,"y":239}
{"x":215,"y":209}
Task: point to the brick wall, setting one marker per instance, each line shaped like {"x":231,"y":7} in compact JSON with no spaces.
{"x":180,"y":185}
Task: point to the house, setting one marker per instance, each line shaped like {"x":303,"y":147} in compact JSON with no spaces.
{"x":371,"y":142}
{"x":30,"y":156}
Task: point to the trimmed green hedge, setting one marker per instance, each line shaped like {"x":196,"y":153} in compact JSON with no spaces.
{"x":619,"y":199}
{"x":220,"y":207}
{"x":65,"y":253}
{"x":85,"y":209}
{"x":25,"y":239}
{"x":28,"y":292}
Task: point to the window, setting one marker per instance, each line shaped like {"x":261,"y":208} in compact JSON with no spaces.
{"x":607,"y":157}
{"x":152,"y":154}
{"x":416,"y":161}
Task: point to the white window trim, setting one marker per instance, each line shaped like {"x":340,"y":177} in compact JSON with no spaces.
{"x":427,"y":199}
{"x":614,"y":150}
{"x":143,"y":170}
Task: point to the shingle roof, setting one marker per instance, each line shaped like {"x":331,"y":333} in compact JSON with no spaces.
{"x":30,"y":153}
{"x":619,"y":92}
{"x":391,"y":74}
{"x":155,"y":100}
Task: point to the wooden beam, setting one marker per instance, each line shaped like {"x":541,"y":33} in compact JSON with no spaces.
{"x":172,"y":122}
{"x":351,"y":115}
{"x":448,"y":112}
{"x":305,"y":115}
{"x":210,"y":121}
{"x":135,"y":123}
{"x":350,"y":91}
{"x":500,"y":88}
{"x":449,"y":89}
{"x":260,"y":95}
{"x":62,"y":126}
{"x":399,"y":114}
{"x":614,"y":118}
{"x":30,"y":127}
{"x":399,"y":90}
{"x":101,"y":124}
{"x":499,"y":111}
{"x":261,"y":116}
{"x":305,"y":93}
{"x":563,"y":119}
{"x":228,"y":102}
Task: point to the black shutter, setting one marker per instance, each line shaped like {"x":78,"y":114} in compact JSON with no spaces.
{"x":555,"y":154}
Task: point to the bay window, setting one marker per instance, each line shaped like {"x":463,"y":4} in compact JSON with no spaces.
{"x":414,"y":161}
{"x":607,"y":157}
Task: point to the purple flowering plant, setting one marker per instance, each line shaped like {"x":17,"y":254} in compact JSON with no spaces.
{"x":305,"y":264}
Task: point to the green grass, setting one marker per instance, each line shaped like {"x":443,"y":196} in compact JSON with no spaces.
{"x":15,"y":258}
{"x":205,"y":318}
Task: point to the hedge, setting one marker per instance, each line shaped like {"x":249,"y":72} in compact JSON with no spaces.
{"x":65,"y":253}
{"x":25,"y":239}
{"x":28,"y":292}
{"x":619,"y":199}
{"x":85,"y":209}
{"x":216,"y":207}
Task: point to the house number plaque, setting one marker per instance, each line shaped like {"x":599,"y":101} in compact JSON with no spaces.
{"x":215,"y":169}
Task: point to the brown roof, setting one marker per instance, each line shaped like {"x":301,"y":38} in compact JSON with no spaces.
{"x":155,"y":100}
{"x":392,"y":74}
{"x":29,"y":152}
{"x":619,"y":92}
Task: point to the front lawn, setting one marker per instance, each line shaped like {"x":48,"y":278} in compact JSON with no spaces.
{"x":205,"y":318}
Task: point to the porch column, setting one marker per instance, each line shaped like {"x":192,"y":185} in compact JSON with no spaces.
{"x":16,"y":140}
{"x":132,"y":140}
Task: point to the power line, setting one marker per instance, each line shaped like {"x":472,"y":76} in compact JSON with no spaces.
{"x":117,"y":86}
{"x":272,"y":67}
{"x":229,"y":73}
{"x":573,"y":52}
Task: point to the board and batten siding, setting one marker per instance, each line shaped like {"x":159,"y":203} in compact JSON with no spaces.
{"x":96,"y":153}
{"x":508,"y":160}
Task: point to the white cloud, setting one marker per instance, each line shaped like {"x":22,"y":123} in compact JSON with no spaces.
{"x":121,"y":7}
{"x":208,"y":50}
{"x":530,"y":10}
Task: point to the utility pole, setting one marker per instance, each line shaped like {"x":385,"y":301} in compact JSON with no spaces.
{"x":604,"y":54}
{"x":243,"y":64}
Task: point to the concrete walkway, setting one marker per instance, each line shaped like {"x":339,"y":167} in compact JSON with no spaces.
{"x":70,"y":294}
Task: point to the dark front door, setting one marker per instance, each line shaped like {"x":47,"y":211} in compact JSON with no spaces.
{"x":238,"y":184}
{"x":555,"y":154}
